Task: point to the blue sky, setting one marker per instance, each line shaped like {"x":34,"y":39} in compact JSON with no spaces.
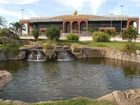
{"x":11,"y":9}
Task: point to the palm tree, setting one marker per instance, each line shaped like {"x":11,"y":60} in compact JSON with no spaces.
{"x":15,"y":26}
{"x":130,"y":33}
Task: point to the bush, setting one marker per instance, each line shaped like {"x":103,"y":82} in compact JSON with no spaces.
{"x":49,"y":45}
{"x":101,"y":37}
{"x":35,"y":33}
{"x":130,"y":47}
{"x":5,"y":32}
{"x":129,"y":34}
{"x":74,"y":47}
{"x":72,"y":37}
{"x":53,"y":33}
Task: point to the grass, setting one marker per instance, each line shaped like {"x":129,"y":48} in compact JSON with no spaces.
{"x":9,"y":48}
{"x":112,"y":44}
{"x":77,"y":101}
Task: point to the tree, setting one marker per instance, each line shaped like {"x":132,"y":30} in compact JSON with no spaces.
{"x":15,"y":26}
{"x":2,"y":21}
{"x":53,"y":33}
{"x":35,"y":33}
{"x":130,"y":33}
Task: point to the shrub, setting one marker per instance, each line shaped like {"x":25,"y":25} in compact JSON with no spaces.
{"x":101,"y":37}
{"x":4,"y":32}
{"x":72,"y":37}
{"x":74,"y":47}
{"x":129,"y":34}
{"x":49,"y":45}
{"x":53,"y":33}
{"x":130,"y":47}
{"x":35,"y":33}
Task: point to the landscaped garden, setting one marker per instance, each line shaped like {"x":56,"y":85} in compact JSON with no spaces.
{"x":92,"y":77}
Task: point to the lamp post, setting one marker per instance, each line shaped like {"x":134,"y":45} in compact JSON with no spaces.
{"x":111,"y":20}
{"x":22,"y":10}
{"x":121,"y":17}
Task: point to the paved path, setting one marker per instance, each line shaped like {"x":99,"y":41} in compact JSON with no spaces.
{"x":82,"y":38}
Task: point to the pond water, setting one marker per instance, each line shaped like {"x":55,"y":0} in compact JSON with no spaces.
{"x":39,"y":81}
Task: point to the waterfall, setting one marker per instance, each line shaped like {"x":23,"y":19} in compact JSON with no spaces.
{"x":36,"y":55}
{"x":64,"y":55}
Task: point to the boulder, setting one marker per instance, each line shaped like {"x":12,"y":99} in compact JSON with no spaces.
{"x":129,"y":97}
{"x":5,"y":78}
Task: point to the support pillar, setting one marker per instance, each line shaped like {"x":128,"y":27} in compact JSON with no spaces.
{"x":71,"y":30}
{"x":78,"y":26}
{"x":86,"y":26}
{"x":63,"y":27}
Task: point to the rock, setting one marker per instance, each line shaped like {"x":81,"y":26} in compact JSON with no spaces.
{"x":8,"y":101}
{"x":5,"y":78}
{"x":129,"y":97}
{"x":7,"y":40}
{"x":138,"y":52}
{"x":19,"y":103}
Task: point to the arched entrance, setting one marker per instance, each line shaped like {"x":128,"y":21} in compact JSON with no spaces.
{"x":75,"y":27}
{"x":67,"y":27}
{"x":133,"y":24}
{"x":82,"y":26}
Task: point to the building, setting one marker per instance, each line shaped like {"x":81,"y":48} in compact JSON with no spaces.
{"x":77,"y":23}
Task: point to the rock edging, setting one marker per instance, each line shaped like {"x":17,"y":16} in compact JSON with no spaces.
{"x":107,"y":53}
{"x":129,"y":97}
{"x":5,"y":78}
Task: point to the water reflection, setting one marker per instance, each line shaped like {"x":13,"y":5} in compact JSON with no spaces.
{"x":36,"y":81}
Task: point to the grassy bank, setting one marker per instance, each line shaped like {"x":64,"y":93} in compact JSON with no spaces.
{"x":77,"y":101}
{"x":112,"y":44}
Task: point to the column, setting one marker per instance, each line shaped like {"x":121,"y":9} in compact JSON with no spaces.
{"x":63,"y":27}
{"x":79,"y":26}
{"x":87,"y":26}
{"x":71,"y":27}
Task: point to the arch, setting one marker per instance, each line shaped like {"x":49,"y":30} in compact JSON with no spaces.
{"x":67,"y":27}
{"x":133,"y":24}
{"x":83,"y":26}
{"x":75,"y":27}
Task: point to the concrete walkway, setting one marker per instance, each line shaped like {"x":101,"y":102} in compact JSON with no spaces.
{"x":82,"y":38}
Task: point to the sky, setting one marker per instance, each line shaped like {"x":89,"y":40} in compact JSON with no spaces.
{"x":11,"y":9}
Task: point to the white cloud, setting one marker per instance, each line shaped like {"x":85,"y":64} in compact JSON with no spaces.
{"x":79,"y":4}
{"x":96,"y":5}
{"x":17,"y":1}
{"x":11,"y":13}
{"x":75,"y":4}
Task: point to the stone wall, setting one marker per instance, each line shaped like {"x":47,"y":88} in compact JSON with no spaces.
{"x":107,"y":53}
{"x":20,"y":55}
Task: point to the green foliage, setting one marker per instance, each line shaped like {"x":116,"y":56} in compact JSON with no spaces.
{"x":15,"y":26}
{"x":130,"y":47}
{"x":129,"y":34}
{"x":112,"y":33}
{"x":2,"y":21}
{"x":77,"y":101}
{"x":4,"y":32}
{"x":74,"y":47}
{"x":101,"y":37}
{"x":53,"y":33}
{"x":35,"y":33}
{"x":72,"y":37}
{"x":49,"y":45}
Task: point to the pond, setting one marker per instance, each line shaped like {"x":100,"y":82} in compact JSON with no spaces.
{"x":39,"y":81}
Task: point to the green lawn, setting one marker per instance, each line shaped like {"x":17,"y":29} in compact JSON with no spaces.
{"x":78,"y":101}
{"x":112,"y":44}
